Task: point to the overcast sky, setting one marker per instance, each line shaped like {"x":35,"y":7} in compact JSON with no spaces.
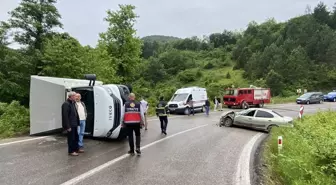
{"x":83,"y":19}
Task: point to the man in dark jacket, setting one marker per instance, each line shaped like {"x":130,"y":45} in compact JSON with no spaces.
{"x":207,"y":106}
{"x":70,"y":123}
{"x":161,"y":112}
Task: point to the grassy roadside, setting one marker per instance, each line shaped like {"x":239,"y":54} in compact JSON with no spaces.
{"x":308,"y":156}
{"x":280,"y":100}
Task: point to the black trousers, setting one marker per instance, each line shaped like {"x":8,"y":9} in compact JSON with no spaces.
{"x":73,"y":140}
{"x":136,"y":130}
{"x":164,"y":122}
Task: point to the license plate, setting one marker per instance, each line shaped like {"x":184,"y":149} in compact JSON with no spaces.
{"x":172,"y":109}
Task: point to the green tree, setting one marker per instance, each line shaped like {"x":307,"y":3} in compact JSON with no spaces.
{"x":122,"y":44}
{"x":62,"y":57}
{"x":34,"y":20}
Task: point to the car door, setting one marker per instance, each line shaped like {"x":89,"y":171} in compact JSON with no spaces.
{"x":263,"y":119}
{"x":245,"y":119}
{"x":316,"y":98}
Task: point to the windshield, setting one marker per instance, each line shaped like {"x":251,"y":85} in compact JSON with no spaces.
{"x":332,"y":93}
{"x":179,"y":97}
{"x":305,"y":95}
{"x":231,"y":92}
{"x":277,"y":113}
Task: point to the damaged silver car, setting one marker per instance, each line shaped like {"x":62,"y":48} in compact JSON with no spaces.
{"x":256,"y":118}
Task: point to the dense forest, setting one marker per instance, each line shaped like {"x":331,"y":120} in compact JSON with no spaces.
{"x":284,"y":56}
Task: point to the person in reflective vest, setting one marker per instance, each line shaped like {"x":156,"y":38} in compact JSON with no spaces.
{"x":162,"y":112}
{"x":132,"y":121}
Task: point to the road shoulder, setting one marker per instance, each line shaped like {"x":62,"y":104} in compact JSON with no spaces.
{"x":257,"y":161}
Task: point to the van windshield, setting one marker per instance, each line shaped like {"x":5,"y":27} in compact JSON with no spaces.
{"x":231,"y":92}
{"x":179,"y":97}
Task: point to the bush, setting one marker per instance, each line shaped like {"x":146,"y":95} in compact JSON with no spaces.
{"x":308,"y":156}
{"x":14,"y":119}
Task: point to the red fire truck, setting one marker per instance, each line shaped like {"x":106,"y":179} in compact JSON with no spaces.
{"x":245,"y":97}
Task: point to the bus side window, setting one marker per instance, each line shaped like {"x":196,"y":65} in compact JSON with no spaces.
{"x":249,"y":92}
{"x":240,"y":92}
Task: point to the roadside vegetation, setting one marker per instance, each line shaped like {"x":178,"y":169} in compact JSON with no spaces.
{"x":308,"y":155}
{"x":283,"y":56}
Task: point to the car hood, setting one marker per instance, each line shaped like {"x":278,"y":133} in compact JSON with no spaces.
{"x":226,"y":113}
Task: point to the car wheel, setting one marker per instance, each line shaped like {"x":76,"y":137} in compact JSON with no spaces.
{"x":321,"y":101}
{"x":187,"y":111}
{"x":308,"y":102}
{"x":334,"y":99}
{"x":269,"y":128}
{"x":228,"y":122}
{"x":202,"y":110}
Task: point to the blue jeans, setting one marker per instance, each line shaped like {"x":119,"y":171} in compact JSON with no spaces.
{"x":81,"y":130}
{"x":207,"y":109}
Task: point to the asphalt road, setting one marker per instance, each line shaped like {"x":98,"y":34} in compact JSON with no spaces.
{"x":206,"y":154}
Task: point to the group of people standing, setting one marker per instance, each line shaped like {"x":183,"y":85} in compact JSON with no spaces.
{"x":74,"y":115}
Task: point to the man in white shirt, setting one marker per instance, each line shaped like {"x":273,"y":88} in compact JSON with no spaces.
{"x":82,"y":114}
{"x":144,"y":105}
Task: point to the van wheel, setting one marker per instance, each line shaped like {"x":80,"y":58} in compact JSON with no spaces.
{"x":202,"y":110}
{"x":187,"y":111}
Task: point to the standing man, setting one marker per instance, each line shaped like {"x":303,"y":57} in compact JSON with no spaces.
{"x":82,"y":114}
{"x":144,"y":105}
{"x":132,"y":121}
{"x":216,"y":103}
{"x":191,"y":105}
{"x":207,"y":106}
{"x":161,"y":112}
{"x":70,"y":122}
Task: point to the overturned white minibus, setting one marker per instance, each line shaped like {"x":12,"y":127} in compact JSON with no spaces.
{"x":103,"y":102}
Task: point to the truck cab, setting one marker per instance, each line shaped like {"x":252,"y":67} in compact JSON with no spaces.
{"x":104,"y":104}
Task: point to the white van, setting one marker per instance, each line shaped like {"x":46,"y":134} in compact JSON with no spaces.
{"x":104,"y":105}
{"x":178,"y":103}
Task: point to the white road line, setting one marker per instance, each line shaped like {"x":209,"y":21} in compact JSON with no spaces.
{"x":21,"y":141}
{"x":109,"y":163}
{"x":242,"y":176}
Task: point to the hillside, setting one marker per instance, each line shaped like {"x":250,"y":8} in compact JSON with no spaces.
{"x":159,"y":38}
{"x":299,"y":53}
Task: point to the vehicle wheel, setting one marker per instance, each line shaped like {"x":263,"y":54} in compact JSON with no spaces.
{"x":229,"y":107}
{"x":245,"y":105}
{"x":261,"y":105}
{"x":334,"y":99}
{"x":321,"y":101}
{"x":228,"y":122}
{"x":269,"y":128}
{"x":187,"y":111}
{"x":202,"y":110}
{"x":308,"y":102}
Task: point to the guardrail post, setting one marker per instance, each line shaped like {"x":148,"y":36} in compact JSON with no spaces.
{"x":280,"y":141}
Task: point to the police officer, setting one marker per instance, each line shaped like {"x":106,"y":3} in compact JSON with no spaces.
{"x":161,"y":112}
{"x":133,"y":121}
